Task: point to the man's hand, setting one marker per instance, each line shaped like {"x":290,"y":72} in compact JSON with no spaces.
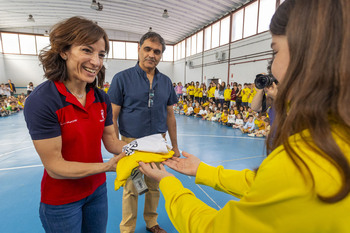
{"x":187,"y":166}
{"x":177,"y":152}
{"x":152,"y":171}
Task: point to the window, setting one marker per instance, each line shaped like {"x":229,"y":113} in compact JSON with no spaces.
{"x":168,"y":53}
{"x":10,"y":42}
{"x":118,"y":50}
{"x":225,"y":31}
{"x":131,"y":50}
{"x":183,"y":48}
{"x":207,"y":38}
{"x":237,"y":25}
{"x":110,"y":52}
{"x":250,"y":19}
{"x":200,"y":42}
{"x":0,"y":46}
{"x":215,"y":35}
{"x":266,"y":11}
{"x":27,"y":44}
{"x":188,"y":47}
{"x":42,"y":42}
{"x":194,"y":44}
{"x":175,"y":52}
{"x":179,"y":51}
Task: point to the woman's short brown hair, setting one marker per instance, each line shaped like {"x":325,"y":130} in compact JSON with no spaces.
{"x":75,"y":30}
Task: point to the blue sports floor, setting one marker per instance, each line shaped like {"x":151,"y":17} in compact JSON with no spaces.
{"x":21,"y":171}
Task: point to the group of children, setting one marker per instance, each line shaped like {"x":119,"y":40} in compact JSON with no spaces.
{"x":11,"y":104}
{"x":235,"y":116}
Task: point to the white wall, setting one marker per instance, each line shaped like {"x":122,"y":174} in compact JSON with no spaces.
{"x":22,"y":69}
{"x":240,"y":71}
{"x":246,"y":72}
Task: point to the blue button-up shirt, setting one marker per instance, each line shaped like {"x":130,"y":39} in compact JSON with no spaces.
{"x":130,"y":89}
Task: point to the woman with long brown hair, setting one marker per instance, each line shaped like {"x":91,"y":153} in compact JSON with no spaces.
{"x":67,"y":117}
{"x":304,"y":183}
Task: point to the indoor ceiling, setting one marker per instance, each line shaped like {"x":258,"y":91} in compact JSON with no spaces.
{"x":122,"y":19}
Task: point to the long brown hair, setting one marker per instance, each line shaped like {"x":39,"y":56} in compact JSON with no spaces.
{"x":314,"y":93}
{"x":75,"y":30}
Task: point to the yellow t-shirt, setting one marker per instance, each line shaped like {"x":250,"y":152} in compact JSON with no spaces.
{"x":205,"y":104}
{"x":196,"y":110}
{"x":224,"y":119}
{"x":211,"y":92}
{"x":227,"y":94}
{"x":276,"y":199}
{"x":209,"y":116}
{"x":190,"y":90}
{"x":128,"y":163}
{"x":252,"y":94}
{"x":185,"y":108}
{"x":196,"y":91}
{"x":200,"y":93}
{"x":260,"y":124}
{"x":245,"y":93}
{"x":20,"y":104}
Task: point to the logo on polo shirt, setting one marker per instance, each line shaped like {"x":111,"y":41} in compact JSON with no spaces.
{"x":102,"y":115}
{"x":69,"y":122}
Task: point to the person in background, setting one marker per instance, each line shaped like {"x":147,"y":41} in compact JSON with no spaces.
{"x":211,"y":91}
{"x":13,"y":107}
{"x":7,"y":90}
{"x":2,"y":90}
{"x":304,"y":183}
{"x":178,"y":90}
{"x":12,"y":87}
{"x":239,"y":96}
{"x":190,"y":91}
{"x":227,"y":95}
{"x":249,"y":126}
{"x":142,"y":100}
{"x":252,"y":93}
{"x":68,"y":117}
{"x":30,"y":88}
{"x":245,"y":93}
{"x":106,"y":87}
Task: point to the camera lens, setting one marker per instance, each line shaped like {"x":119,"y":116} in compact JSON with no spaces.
{"x":262,"y":81}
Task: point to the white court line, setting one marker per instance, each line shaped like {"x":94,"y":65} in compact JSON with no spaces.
{"x":13,"y":143}
{"x":252,"y":157}
{"x":208,"y":196}
{"x":7,"y":153}
{"x":29,"y":166}
{"x":14,"y":168}
{"x":218,"y":136}
{"x":189,"y":177}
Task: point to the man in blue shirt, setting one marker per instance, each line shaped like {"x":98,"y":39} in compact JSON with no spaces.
{"x":142,"y":102}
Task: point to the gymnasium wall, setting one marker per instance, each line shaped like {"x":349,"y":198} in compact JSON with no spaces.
{"x":22,"y":69}
{"x":241,"y":69}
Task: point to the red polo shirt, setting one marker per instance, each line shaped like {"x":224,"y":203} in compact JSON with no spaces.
{"x":51,"y":111}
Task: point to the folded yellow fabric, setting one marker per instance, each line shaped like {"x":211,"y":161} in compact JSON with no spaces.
{"x":128,"y":163}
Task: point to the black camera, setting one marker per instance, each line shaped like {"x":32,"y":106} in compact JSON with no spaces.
{"x":262,"y":81}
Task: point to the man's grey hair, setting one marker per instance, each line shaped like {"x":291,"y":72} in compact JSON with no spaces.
{"x":154,"y":37}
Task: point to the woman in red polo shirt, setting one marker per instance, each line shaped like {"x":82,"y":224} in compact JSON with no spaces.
{"x":67,"y":116}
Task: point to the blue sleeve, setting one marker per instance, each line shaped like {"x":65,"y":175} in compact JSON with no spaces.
{"x":172,"y":97}
{"x":41,"y":119}
{"x":115,"y":91}
{"x":109,"y":117}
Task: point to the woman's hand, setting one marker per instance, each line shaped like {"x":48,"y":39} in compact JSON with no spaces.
{"x":114,"y":161}
{"x":271,"y":91}
{"x":187,"y":166}
{"x":152,"y":171}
